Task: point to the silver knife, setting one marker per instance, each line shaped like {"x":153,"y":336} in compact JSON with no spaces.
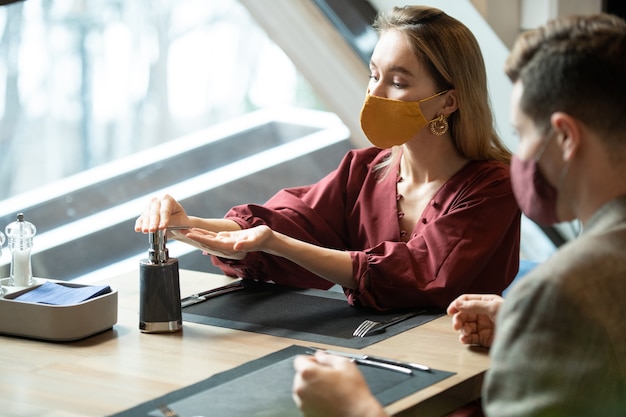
{"x":407,"y":365}
{"x":208,"y":294}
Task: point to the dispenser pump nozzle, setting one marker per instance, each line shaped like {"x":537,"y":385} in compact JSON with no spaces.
{"x":158,"y":253}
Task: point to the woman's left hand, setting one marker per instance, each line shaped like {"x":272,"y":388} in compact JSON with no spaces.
{"x":232,"y":245}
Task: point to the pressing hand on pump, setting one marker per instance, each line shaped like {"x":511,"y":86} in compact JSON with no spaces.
{"x":226,"y":239}
{"x":165,"y":212}
{"x":160,"y":213}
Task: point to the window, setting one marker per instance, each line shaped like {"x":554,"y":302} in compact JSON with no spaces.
{"x":96,"y":96}
{"x":85,"y":83}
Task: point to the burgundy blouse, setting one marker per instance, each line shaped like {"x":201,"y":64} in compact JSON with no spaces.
{"x":466,"y":241}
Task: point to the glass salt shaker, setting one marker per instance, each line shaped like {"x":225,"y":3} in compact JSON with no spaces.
{"x":1,"y":243}
{"x":20,"y":241}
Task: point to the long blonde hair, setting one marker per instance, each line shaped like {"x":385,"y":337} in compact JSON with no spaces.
{"x":453,"y":58}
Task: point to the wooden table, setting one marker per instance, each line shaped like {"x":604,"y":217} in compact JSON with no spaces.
{"x":122,"y":367}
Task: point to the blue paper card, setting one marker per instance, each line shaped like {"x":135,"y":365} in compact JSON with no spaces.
{"x":59,"y":294}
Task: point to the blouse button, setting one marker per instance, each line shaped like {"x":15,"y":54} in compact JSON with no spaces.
{"x":424,"y":220}
{"x":398,"y":197}
{"x":400,"y":214}
{"x":434,"y":204}
{"x":403,"y":233}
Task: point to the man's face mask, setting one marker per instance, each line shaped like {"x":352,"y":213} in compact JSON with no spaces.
{"x":535,"y":196}
{"x":388,"y":122}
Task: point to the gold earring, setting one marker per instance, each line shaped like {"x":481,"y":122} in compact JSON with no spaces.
{"x":439,"y":126}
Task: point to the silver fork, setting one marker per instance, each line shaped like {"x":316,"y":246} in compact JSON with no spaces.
{"x":370,"y":326}
{"x":167,"y":412}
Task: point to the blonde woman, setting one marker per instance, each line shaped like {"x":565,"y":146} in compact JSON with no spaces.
{"x":423,"y":216}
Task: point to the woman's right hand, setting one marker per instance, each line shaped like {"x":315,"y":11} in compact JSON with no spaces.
{"x":160,"y":213}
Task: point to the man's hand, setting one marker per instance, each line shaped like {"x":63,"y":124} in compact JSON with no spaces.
{"x":474,"y":317}
{"x":332,"y":386}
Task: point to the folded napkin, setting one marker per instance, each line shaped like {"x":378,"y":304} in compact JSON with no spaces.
{"x":59,"y":294}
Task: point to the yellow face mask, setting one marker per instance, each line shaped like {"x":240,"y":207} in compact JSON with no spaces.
{"x":388,"y":122}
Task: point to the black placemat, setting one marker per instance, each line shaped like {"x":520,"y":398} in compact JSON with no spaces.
{"x":262,"y":388}
{"x":302,"y":314}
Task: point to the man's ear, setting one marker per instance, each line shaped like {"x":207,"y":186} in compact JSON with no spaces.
{"x":568,"y":134}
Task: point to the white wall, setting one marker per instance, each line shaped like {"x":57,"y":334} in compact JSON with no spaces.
{"x":331,"y":66}
{"x":536,"y":12}
{"x":503,"y":16}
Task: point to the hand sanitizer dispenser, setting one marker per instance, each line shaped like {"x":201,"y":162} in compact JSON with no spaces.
{"x":159,"y":289}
